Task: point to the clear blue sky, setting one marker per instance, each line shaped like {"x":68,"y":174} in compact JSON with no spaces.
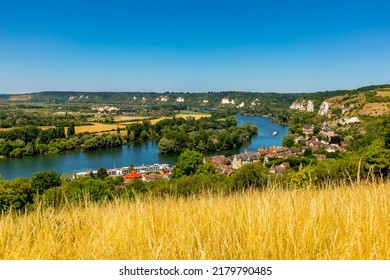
{"x":172,"y":45}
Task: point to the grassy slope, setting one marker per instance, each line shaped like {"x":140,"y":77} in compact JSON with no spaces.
{"x":334,"y":223}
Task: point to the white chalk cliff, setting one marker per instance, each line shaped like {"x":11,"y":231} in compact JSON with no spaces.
{"x":324,"y":108}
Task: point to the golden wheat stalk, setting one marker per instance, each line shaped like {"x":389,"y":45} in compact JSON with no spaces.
{"x":343,"y":222}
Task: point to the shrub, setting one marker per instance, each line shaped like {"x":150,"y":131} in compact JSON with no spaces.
{"x":45,"y":180}
{"x":16,"y":194}
{"x":250,"y":175}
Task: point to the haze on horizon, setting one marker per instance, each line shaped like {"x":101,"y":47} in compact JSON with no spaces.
{"x":193,"y":46}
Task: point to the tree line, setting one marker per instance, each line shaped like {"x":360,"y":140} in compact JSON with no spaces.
{"x":17,"y":118}
{"x":205,"y":134}
{"x":31,"y":140}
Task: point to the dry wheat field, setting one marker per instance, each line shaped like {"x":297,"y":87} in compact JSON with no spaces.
{"x":343,"y":222}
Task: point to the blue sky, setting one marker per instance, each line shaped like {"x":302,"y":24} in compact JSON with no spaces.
{"x":264,"y":45}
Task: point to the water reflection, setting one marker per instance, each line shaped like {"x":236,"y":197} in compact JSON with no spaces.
{"x":136,"y":154}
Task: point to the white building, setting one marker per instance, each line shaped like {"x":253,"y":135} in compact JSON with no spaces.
{"x":143,"y":169}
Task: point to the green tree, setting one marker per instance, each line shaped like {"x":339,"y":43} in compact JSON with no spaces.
{"x":71,"y":130}
{"x":378,"y":158}
{"x":206,"y":168}
{"x":166,"y":145}
{"x":101,"y":173}
{"x":387,"y":134}
{"x":5,"y":147}
{"x":308,"y":152}
{"x":187,"y":163}
{"x":80,"y":189}
{"x":45,"y":180}
{"x":348,"y":167}
{"x":250,"y":175}
{"x":305,"y":176}
{"x":16,"y":194}
{"x":289,"y":140}
{"x":144,"y":135}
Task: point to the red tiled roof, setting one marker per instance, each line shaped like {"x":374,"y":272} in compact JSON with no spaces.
{"x":132,"y":175}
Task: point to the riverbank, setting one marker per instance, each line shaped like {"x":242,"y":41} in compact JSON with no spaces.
{"x":136,"y":154}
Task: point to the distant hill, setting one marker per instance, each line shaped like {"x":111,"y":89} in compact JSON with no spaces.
{"x":356,"y":109}
{"x":232,"y":99}
{"x":247,"y":102}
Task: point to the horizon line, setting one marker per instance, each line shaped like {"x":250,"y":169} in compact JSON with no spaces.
{"x":194,"y":92}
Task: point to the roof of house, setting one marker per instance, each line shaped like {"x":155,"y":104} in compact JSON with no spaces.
{"x":280,"y":168}
{"x":217,"y":159}
{"x":320,"y":156}
{"x":247,"y":156}
{"x":308,"y":127}
{"x":295,"y":150}
{"x":132,"y":175}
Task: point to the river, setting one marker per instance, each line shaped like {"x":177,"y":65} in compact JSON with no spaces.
{"x":137,"y":154}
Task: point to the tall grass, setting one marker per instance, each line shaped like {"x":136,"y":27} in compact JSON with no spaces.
{"x":340,"y":222}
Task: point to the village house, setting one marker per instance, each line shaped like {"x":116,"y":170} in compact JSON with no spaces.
{"x":152,"y":177}
{"x":281,"y":168}
{"x":300,"y":140}
{"x":320,"y":156}
{"x":331,"y":149}
{"x":105,"y":109}
{"x":151,"y":168}
{"x":164,"y":98}
{"x":326,"y":130}
{"x":274,"y":152}
{"x":122,"y":171}
{"x":262,"y":151}
{"x":308,"y":129}
{"x":221,"y":163}
{"x":313,"y":140}
{"x":217,"y":160}
{"x":344,"y":145}
{"x":132,"y":176}
{"x":277,"y":149}
{"x":278,"y":152}
{"x":284,"y":154}
{"x":297,"y":151}
{"x":246,"y":157}
{"x":117,"y":172}
{"x":314,"y":143}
